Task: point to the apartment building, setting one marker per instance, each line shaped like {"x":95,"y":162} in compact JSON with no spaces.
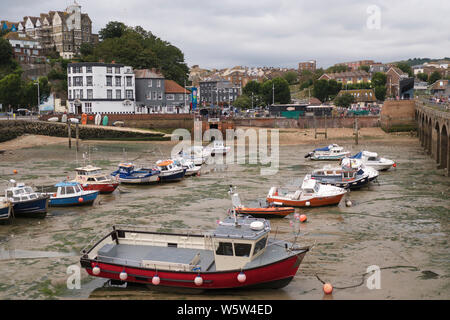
{"x":308,"y":65}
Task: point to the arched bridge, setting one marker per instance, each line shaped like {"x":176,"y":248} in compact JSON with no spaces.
{"x":434,"y":133}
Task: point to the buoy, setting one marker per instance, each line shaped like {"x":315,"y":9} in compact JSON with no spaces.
{"x":80,"y":199}
{"x":348,"y":203}
{"x":303,"y":218}
{"x":327,"y":288}
{"x":123,"y":275}
{"x":308,"y":203}
{"x":394,"y":165}
{"x":15,"y":171}
{"x":241,"y":277}
{"x":198,"y":280}
{"x":96,"y":270}
{"x":156,"y":280}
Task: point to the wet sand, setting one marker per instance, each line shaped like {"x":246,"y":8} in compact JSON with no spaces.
{"x":401,"y":225}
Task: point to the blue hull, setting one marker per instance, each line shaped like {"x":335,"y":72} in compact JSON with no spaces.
{"x":4,"y":213}
{"x":353,"y":185}
{"x":73,"y":201}
{"x":173,"y":177}
{"x":31,"y":208}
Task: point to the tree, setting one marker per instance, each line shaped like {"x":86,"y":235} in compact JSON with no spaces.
{"x":243,"y":102}
{"x":379,"y":79}
{"x":422,"y":76}
{"x":364,"y":68}
{"x":113,"y":29}
{"x":11,"y":90}
{"x":333,"y":88}
{"x":434,"y":76}
{"x":279,"y":87}
{"x":254,"y":87}
{"x":345,"y":100}
{"x":380,"y":93}
{"x":6,"y":52}
{"x":86,"y":49}
{"x":291,"y":77}
{"x":405,"y":68}
{"x":320,"y":90}
{"x":338,"y":68}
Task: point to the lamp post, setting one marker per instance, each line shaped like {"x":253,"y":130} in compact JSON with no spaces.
{"x":273,"y":93}
{"x":39,"y":98}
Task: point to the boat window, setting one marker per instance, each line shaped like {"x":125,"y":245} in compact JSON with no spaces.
{"x":16,"y":198}
{"x":261,"y":244}
{"x":62,"y":190}
{"x":33,"y":196}
{"x":225,"y":249}
{"x":101,"y":178}
{"x":9,"y":194}
{"x":316,"y":187}
{"x":309,"y":191}
{"x":242,"y":249}
{"x":77,"y":188}
{"x":69,"y":190}
{"x":23,"y":198}
{"x":90,"y":179}
{"x":19,"y":191}
{"x":28,"y":190}
{"x":372,"y":159}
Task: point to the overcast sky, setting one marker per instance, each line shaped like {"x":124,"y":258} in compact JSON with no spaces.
{"x":279,"y":33}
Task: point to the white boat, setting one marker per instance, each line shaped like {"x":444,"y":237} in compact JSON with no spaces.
{"x":170,"y":171}
{"x":350,"y":163}
{"x":219,"y":148}
{"x":5,"y":208}
{"x":191,"y":168}
{"x":197,"y":154}
{"x":331,"y":152}
{"x":371,"y":159}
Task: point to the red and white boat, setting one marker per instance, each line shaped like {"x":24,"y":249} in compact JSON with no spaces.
{"x":311,"y":194}
{"x":92,"y":178}
{"x":238,"y":254}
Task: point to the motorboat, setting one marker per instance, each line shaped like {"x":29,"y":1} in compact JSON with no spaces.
{"x":170,"y":171}
{"x":26,"y":202}
{"x":348,"y":178}
{"x":331,"y":152}
{"x":350,"y":163}
{"x":92,"y":178}
{"x":5,"y":209}
{"x":311,"y":194}
{"x":239,"y":253}
{"x":197,"y":154}
{"x":371,"y":159}
{"x":128,"y":174}
{"x":191,"y":168}
{"x":219,"y":148}
{"x":71,"y":194}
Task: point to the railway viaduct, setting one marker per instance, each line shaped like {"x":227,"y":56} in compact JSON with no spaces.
{"x":434,"y":133}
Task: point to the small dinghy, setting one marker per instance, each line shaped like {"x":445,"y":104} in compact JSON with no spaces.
{"x":5,"y":209}
{"x":311,"y":194}
{"x":239,"y":253}
{"x":331,"y":152}
{"x":92,"y":178}
{"x":26,"y":202}
{"x":371,"y":159}
{"x":170,"y":171}
{"x":128,"y":175}
{"x":71,"y":194}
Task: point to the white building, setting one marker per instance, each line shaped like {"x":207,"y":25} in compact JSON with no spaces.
{"x":100,"y":88}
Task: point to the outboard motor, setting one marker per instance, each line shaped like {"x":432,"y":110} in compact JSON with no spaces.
{"x":309,"y":155}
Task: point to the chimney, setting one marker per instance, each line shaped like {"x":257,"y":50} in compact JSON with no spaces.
{"x":113,"y":62}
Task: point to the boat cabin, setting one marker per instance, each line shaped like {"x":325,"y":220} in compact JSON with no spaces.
{"x":90,"y":174}
{"x":168,"y":165}
{"x":67,"y":189}
{"x":126,"y":168}
{"x":345,"y":174}
{"x":20,"y":192}
{"x":310,"y":186}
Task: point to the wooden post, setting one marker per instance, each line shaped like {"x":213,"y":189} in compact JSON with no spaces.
{"x":326,"y":127}
{"x":69,"y":129}
{"x":77,"y":135}
{"x":356,"y":131}
{"x":315,"y":127}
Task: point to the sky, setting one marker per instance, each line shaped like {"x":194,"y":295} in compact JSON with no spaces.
{"x":273,"y":33}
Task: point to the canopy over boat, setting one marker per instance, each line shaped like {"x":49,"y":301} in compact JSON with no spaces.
{"x":88,"y":168}
{"x":66,"y":184}
{"x":164,"y":163}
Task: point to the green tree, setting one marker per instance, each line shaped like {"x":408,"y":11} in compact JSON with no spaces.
{"x":364,"y":68}
{"x":434,"y":76}
{"x":422,"y":76}
{"x":380,"y":93}
{"x":278,"y":89}
{"x":333,"y":88}
{"x":11,"y":90}
{"x":345,"y":100}
{"x":6,"y":52}
{"x":320,"y":90}
{"x":243,"y":102}
{"x":337,"y":68}
{"x":405,"y":67}
{"x":379,"y":79}
{"x":291,"y":77}
{"x":113,"y":29}
{"x":86,"y":49}
{"x":254,"y":87}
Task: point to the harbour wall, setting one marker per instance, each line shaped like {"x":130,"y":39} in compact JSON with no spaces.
{"x":398,"y":115}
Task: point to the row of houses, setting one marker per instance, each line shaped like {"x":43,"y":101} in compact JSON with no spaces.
{"x":95,"y":87}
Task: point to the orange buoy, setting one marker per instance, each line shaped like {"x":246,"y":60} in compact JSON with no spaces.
{"x":80,"y":199}
{"x":15,"y":171}
{"x":303,"y":218}
{"x":327,"y":288}
{"x":394,"y":165}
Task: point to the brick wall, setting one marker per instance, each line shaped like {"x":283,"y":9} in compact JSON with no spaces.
{"x":398,"y":115}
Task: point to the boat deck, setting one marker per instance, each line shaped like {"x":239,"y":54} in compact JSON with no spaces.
{"x":144,"y":255}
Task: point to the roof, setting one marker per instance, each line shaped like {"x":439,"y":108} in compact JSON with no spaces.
{"x":88,"y":168}
{"x":66,"y":184}
{"x":228,"y":229}
{"x":9,"y":24}
{"x":16,"y":36}
{"x":360,"y":94}
{"x":439,"y":85}
{"x":347,"y":74}
{"x":398,"y":71}
{"x":173,"y":87}
{"x":309,"y":184}
{"x":147,"y":74}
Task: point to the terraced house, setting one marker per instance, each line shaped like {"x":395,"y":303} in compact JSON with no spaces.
{"x":349,"y":77}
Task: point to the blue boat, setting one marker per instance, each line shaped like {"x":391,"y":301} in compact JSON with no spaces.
{"x":26,"y":202}
{"x":331,"y":152}
{"x":129,"y":175}
{"x":5,"y":209}
{"x":348,"y":178}
{"x":71,"y":194}
{"x":170,"y":171}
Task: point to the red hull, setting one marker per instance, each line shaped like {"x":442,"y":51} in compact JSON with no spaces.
{"x":101,"y":187}
{"x":280,"y":272}
{"x":266,"y":212}
{"x":315,"y":202}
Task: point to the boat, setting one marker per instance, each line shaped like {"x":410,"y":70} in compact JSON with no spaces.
{"x":331,"y":152}
{"x":348,"y":178}
{"x":71,"y":194}
{"x":371,"y":159}
{"x":218,"y":148}
{"x":5,"y":209}
{"x":92,"y":178}
{"x":191,"y":168}
{"x":358,"y":164}
{"x":26,"y":202}
{"x":127,"y":174}
{"x":239,"y":253}
{"x":197,"y":154}
{"x":170,"y":171}
{"x":269,"y":211}
{"x":311,"y":194}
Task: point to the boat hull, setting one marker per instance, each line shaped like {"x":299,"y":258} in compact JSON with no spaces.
{"x":177,"y":176}
{"x":313,"y":202}
{"x":274,"y":275}
{"x":273,"y":212}
{"x":352,"y":185}
{"x":103,"y":188}
{"x":139,"y":180}
{"x":330,"y":157}
{"x":31,"y":208}
{"x":5,"y":212}
{"x":88,"y":199}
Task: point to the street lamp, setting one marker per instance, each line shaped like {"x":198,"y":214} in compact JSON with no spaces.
{"x":39,"y":98}
{"x":273,"y":93}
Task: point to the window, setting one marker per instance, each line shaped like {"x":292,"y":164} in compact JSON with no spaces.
{"x":170,"y":97}
{"x":68,"y":69}
{"x":108,"y":69}
{"x":118,"y":81}
{"x":70,"y":94}
{"x":70,"y":82}
{"x":150,"y":83}
{"x":70,"y":190}
{"x":158,"y":83}
{"x":87,"y":109}
{"x":109,"y":94}
{"x":90,"y":94}
{"x":118,"y":94}
{"x":129,"y":81}
{"x":160,"y":95}
{"x":89,"y":81}
{"x":155,"y":95}
{"x":225,"y":249}
{"x":88,"y":69}
{"x":117,"y":70}
{"x":261,"y":244}
{"x":77,"y":81}
{"x":129,"y":94}
{"x":109,"y":81}
{"x":78,"y":94}
{"x":242,"y":249}
{"x":180,"y":97}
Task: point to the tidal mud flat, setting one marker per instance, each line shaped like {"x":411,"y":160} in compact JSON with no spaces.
{"x":401,"y":224}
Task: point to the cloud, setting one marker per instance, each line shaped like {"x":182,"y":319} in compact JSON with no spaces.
{"x":273,"y":32}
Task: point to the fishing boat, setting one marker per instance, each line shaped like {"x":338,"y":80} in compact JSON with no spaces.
{"x":269,"y":211}
{"x":348,"y":178}
{"x":92,"y":178}
{"x":371,"y":159}
{"x":219,"y":148}
{"x":127,"y":174}
{"x":170,"y":171}
{"x":311,"y":194}
{"x":197,"y":154}
{"x":191,"y":168}
{"x":71,"y":194}
{"x":26,"y":202}
{"x":358,"y":164}
{"x":5,"y":209}
{"x":239,"y":253}
{"x":331,"y":152}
